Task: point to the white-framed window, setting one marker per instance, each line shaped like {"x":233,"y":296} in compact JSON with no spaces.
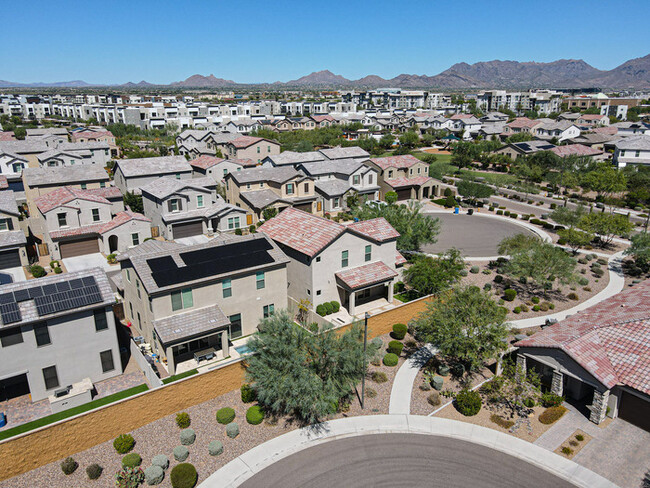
{"x":233,"y":223}
{"x":368,"y":253}
{"x":289,"y":188}
{"x":268,"y":310}
{"x":260,"y":280}
{"x":182,"y":299}
{"x":356,"y":179}
{"x":63,"y":219}
{"x":135,"y":238}
{"x":226,"y":288}
{"x":344,"y":259}
{"x":95,"y":212}
{"x":199,"y":201}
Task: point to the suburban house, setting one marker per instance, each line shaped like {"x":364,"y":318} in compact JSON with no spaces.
{"x":292,"y":158}
{"x":516,"y":149}
{"x":197,"y":299}
{"x":353,"y":264}
{"x":56,"y":346}
{"x":247,"y":147}
{"x":203,"y":142}
{"x":78,"y":222}
{"x":28,"y":150}
{"x":42,"y":132}
{"x":600,"y":356}
{"x":520,"y":124}
{"x":592,"y":120}
{"x":340,"y":178}
{"x":578,"y":150}
{"x":131,"y":175}
{"x":216,"y":168}
{"x":632,"y":150}
{"x":185,"y":208}
{"x":12,"y":238}
{"x":255,"y":189}
{"x":96,"y":135}
{"x":352,"y":152}
{"x":405,"y":175}
{"x":552,"y":129}
{"x":11,"y":166}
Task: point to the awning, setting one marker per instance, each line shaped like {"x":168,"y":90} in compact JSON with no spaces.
{"x":366,"y":275}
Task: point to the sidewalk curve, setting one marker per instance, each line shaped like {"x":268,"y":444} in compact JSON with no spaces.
{"x":400,"y":394}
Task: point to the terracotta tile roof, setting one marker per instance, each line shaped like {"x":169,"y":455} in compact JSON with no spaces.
{"x":123,"y":218}
{"x":612,"y":131}
{"x":592,"y":116}
{"x":399,"y":259}
{"x":377,"y":229}
{"x":4,"y":184}
{"x":404,"y":182}
{"x":108,"y":192}
{"x":205,"y":162}
{"x":320,"y":118}
{"x":577,"y":149}
{"x":245,"y":141}
{"x":245,"y":162}
{"x":64,"y":195}
{"x":302,"y":231}
{"x":405,"y":161}
{"x":461,"y":116}
{"x":91,"y":134}
{"x":611,"y":340}
{"x":522,"y":122}
{"x":366,"y":275}
{"x":101,"y":228}
{"x":7,"y":136}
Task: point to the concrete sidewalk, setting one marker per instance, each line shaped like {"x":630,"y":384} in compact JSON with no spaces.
{"x":400,"y":394}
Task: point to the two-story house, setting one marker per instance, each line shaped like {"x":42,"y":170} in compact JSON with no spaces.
{"x":91,"y":134}
{"x":247,"y":147}
{"x":185,"y":208}
{"x":78,"y":222}
{"x":340,"y":178}
{"x":197,"y":299}
{"x":12,"y":239}
{"x":58,"y":331}
{"x":255,"y":189}
{"x":216,"y":168}
{"x":131,"y":175}
{"x":354,"y":264}
{"x":405,"y":175}
{"x":11,"y":166}
{"x":632,"y":150}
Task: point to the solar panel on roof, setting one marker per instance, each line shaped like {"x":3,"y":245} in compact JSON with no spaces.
{"x":35,"y":291}
{"x":21,"y":295}
{"x":63,"y":286}
{"x":88,"y":280}
{"x":49,"y":289}
{"x":67,"y":297}
{"x":6,"y":298}
{"x":10,"y":313}
{"x":76,"y":283}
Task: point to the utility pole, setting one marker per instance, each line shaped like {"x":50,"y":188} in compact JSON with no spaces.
{"x":363,"y":378}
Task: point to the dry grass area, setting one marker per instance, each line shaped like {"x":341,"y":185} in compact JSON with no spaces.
{"x":572,"y":445}
{"x":161,"y":436}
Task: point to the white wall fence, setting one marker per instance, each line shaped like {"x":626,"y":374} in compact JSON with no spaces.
{"x":144,"y":365}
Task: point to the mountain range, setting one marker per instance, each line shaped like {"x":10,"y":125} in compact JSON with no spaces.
{"x":564,"y":73}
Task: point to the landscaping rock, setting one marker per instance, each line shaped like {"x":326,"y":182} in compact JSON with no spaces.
{"x":437,"y":383}
{"x":154,"y":475}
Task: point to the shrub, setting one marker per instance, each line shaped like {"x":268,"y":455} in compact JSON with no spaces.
{"x":336,"y":306}
{"x":94,"y":471}
{"x":154,"y":475}
{"x":567,"y":451}
{"x":371,"y":392}
{"x":398,"y":287}
{"x":595,"y":266}
{"x":536,"y":308}
{"x":248,"y":394}
{"x":573,"y":443}
{"x":551,"y":306}
{"x":543,"y":307}
{"x":535,"y":300}
{"x":390,"y":359}
{"x":551,"y":400}
{"x":582,"y":281}
{"x":580,"y":437}
{"x":552,"y":414}
{"x":509,"y":294}
{"x":601,"y":261}
{"x":498,"y":279}
{"x":598,"y":272}
{"x":160,"y":460}
{"x":232,"y":430}
{"x":582,"y":261}
{"x":395,"y":347}
{"x":188,"y":436}
{"x":517,"y":310}
{"x":124,"y":443}
{"x":513,"y":216}
{"x":225,"y":415}
{"x":572,"y":296}
{"x":320,"y":310}
{"x":486,"y":271}
{"x":529,"y":402}
{"x":399,"y":331}
{"x":463,"y":272}
{"x":129,"y":477}
{"x":255,"y":415}
{"x":468,"y":402}
{"x":215,"y":448}
{"x":561,"y":241}
{"x":183,"y":475}
{"x":507,"y":213}
{"x":54,"y":264}
{"x":524,"y":308}
{"x":181,"y":453}
{"x":501,"y":422}
{"x":328,"y":308}
{"x":69,"y":466}
{"x":238,"y":232}
{"x":499,"y":212}
{"x":523,"y":280}
{"x":379,"y":377}
{"x":448,"y":192}
{"x":434,"y":399}
{"x":131,"y":460}
{"x":474,"y":269}
{"x":487,"y":286}
{"x":183,"y":420}
{"x":37,"y":271}
{"x":58,"y":270}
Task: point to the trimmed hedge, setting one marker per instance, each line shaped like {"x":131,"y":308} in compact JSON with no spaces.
{"x":131,"y":460}
{"x":248,"y":394}
{"x":395,"y":347}
{"x":509,"y":294}
{"x":225,"y":415}
{"x":215,"y":448}
{"x":474,"y":269}
{"x":255,"y":415}
{"x":154,"y":475}
{"x":399,"y":331}
{"x":468,"y":402}
{"x":232,"y":430}
{"x":552,"y":414}
{"x":390,"y":359}
{"x":183,"y":475}
{"x":124,"y":443}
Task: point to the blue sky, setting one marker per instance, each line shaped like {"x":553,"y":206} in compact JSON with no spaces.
{"x":251,"y":41}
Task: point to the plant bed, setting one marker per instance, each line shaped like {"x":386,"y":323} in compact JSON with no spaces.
{"x":573,"y":444}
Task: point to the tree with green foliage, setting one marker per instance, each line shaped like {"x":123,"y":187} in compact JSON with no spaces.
{"x":640,"y":250}
{"x":302,"y":374}
{"x":20,"y":133}
{"x":606,"y":226}
{"x":569,"y":217}
{"x":638,"y":185}
{"x":414,"y":227}
{"x":575,"y":239}
{"x":134,"y":202}
{"x":541,"y":263}
{"x":386,"y":141}
{"x":464,"y":153}
{"x":519,"y":137}
{"x":304,"y":146}
{"x":409,"y":139}
{"x":466,"y":326}
{"x":474,"y":191}
{"x":269,"y":212}
{"x":431,"y":275}
{"x":605,"y":180}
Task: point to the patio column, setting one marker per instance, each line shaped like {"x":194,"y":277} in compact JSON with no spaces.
{"x":599,"y":406}
{"x":390,"y":292}
{"x":171,"y":367}
{"x":351,"y":303}
{"x":225,"y":345}
{"x":521,"y":365}
{"x":557,"y":385}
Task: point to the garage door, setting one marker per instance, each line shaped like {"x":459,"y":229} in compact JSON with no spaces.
{"x":9,"y":259}
{"x":635,"y":410}
{"x":187,"y":229}
{"x":404,"y":194}
{"x":79,"y":248}
{"x":305,"y":207}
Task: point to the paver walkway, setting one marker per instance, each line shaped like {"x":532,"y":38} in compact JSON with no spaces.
{"x":400,"y":394}
{"x":563,"y":428}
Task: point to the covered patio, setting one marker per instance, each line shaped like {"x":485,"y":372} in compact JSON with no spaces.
{"x":364,"y":284}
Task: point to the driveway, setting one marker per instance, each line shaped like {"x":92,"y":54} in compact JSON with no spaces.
{"x":88,"y":261}
{"x":402,"y":460}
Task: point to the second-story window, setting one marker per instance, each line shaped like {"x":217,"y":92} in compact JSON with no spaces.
{"x":390,"y":173}
{"x":6,"y":224}
{"x":63,"y":219}
{"x":370,"y":179}
{"x":135,"y":239}
{"x":199,"y":201}
{"x":368,"y":252}
{"x":344,"y":259}
{"x":95,"y":212}
{"x":182,"y":299}
{"x":355,"y":180}
{"x":42,"y":335}
{"x":260,"y":280}
{"x":233,"y":223}
{"x":226,"y":288}
{"x":84,"y":186}
{"x":289,"y":188}
{"x":174,"y":205}
{"x":258,"y":149}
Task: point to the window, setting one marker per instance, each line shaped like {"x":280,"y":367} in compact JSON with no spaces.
{"x":260,"y":280}
{"x":174,"y":205}
{"x":289,"y":188}
{"x":637,"y":154}
{"x":368,"y":252}
{"x":344,"y":259}
{"x":259,"y":149}
{"x":355,"y":180}
{"x":306,"y":187}
{"x":95,"y":212}
{"x":137,"y":285}
{"x":128,"y":275}
{"x":178,"y":176}
{"x":390,"y":173}
{"x":6,"y":224}
{"x":84,"y":186}
{"x":318,"y":292}
{"x":318,"y":259}
{"x":268,"y":148}
{"x":370,"y":179}
{"x":62,"y":218}
{"x":268,"y":310}
{"x":100,"y":320}
{"x":50,"y":377}
{"x":233,"y":222}
{"x":225,"y":171}
{"x":106,"y":358}
{"x":199,"y":201}
{"x":131,"y":309}
{"x":182,"y":299}
{"x":135,"y":239}
{"x":226,"y":288}
{"x":235,"y":326}
{"x":11,"y":337}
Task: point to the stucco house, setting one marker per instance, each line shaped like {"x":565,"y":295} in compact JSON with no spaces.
{"x":12,"y":238}
{"x":131,"y":175}
{"x":405,"y":175}
{"x":632,"y":150}
{"x":185,"y":208}
{"x":247,"y":147}
{"x":216,"y":168}
{"x":517,"y":149}
{"x":11,"y":166}
{"x":600,"y":356}
{"x":353,"y":265}
{"x":198,"y":299}
{"x":91,"y":134}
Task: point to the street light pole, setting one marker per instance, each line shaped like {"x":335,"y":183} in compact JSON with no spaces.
{"x":363,"y":378}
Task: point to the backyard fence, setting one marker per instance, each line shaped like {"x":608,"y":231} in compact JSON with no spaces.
{"x":145,"y":365}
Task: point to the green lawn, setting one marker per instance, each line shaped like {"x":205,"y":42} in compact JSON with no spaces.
{"x":179,"y":376}
{"x":499,"y":179}
{"x":35,"y":424}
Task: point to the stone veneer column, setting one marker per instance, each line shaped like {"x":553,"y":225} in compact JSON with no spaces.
{"x":557,"y":383}
{"x":599,"y":406}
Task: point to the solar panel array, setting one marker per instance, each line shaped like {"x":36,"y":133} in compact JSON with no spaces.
{"x":210,"y":261}
{"x":51,"y":298}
